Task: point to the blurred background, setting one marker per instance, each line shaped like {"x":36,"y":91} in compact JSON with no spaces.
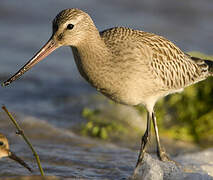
{"x":77,"y":131}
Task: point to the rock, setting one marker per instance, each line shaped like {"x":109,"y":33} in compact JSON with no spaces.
{"x":153,"y":169}
{"x":194,"y":166}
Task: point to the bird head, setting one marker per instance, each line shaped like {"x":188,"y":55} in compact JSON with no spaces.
{"x":70,"y":27}
{"x":5,"y":152}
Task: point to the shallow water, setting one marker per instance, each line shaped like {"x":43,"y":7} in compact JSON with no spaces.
{"x":48,"y":100}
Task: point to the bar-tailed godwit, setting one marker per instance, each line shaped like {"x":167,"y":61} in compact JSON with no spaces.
{"x":5,"y":152}
{"x":129,"y":66}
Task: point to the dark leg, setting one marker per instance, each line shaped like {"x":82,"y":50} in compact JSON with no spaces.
{"x":160,"y":150}
{"x":145,"y":139}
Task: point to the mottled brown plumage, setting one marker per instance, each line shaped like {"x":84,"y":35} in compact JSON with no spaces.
{"x":5,"y":152}
{"x":129,"y":66}
{"x":4,"y":146}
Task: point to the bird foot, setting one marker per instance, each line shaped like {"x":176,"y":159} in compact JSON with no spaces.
{"x":163,"y":156}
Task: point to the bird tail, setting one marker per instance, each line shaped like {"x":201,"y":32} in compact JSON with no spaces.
{"x":210,"y":65}
{"x":206,"y":65}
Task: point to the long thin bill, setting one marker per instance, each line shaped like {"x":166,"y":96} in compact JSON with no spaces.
{"x":49,"y":47}
{"x":20,"y":161}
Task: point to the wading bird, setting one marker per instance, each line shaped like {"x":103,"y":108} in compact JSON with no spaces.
{"x":129,"y":66}
{"x":5,"y":152}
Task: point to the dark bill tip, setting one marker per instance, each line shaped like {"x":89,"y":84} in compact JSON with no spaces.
{"x":19,"y":160}
{"x":5,"y":84}
{"x":48,"y":48}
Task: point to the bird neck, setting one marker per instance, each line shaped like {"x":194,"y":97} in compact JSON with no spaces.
{"x":93,"y":46}
{"x":92,"y":58}
{"x":93,"y":50}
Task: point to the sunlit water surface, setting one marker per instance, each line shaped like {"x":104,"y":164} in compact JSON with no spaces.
{"x":48,"y":100}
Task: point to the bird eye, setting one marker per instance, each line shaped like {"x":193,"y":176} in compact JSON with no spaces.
{"x":70,"y":26}
{"x":1,"y":143}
